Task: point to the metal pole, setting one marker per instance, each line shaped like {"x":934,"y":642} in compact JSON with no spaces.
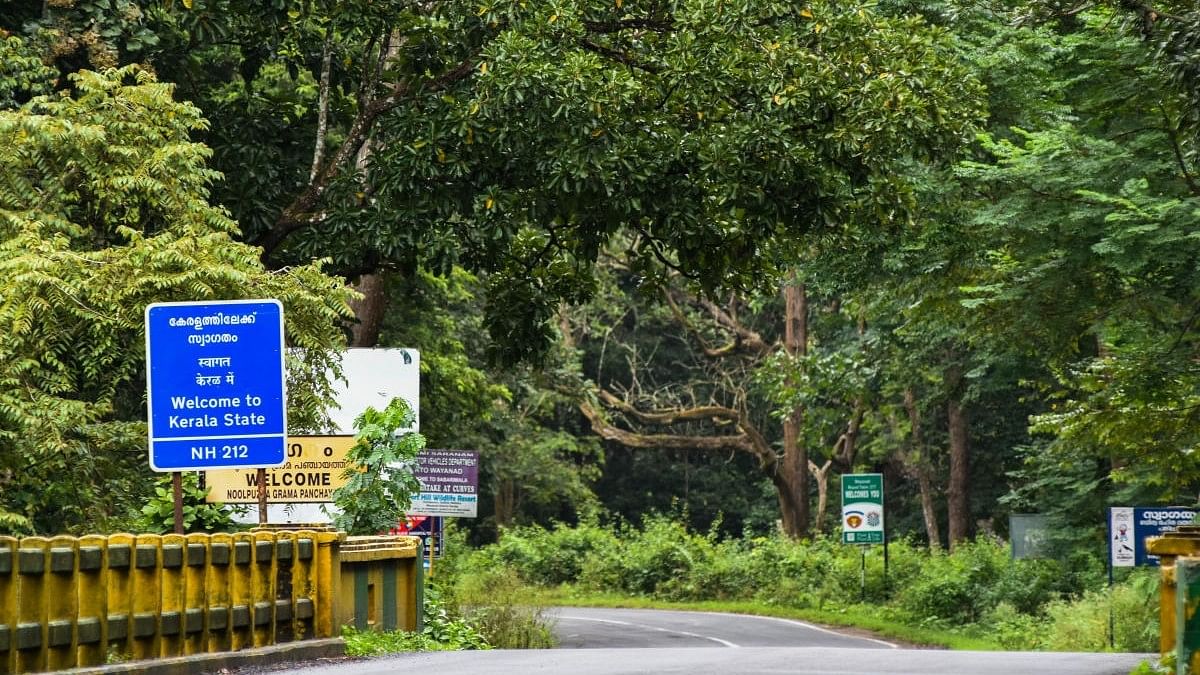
{"x":863,"y":575}
{"x":177,"y":489}
{"x":1112,"y":624}
{"x":887,"y":589}
{"x":262,"y":496}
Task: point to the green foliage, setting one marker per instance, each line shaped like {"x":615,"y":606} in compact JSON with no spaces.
{"x":380,"y":481}
{"x":500,"y":606}
{"x":104,"y":208}
{"x":979,"y":590}
{"x":23,"y":75}
{"x":158,"y":515}
{"x":1083,"y":623}
{"x":442,"y":627}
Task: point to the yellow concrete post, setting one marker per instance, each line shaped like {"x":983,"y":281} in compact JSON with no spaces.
{"x":304,"y":584}
{"x":31,"y":604}
{"x":219,"y":584}
{"x":92,"y":586}
{"x":241,"y":592}
{"x":329,"y":576}
{"x":8,"y":604}
{"x":62,"y":597}
{"x":195,"y":594}
{"x":172,"y":583}
{"x":263,"y":576}
{"x":146,"y":573}
{"x":120,"y":594}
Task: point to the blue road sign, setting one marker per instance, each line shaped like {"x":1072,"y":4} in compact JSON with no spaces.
{"x":215,"y":384}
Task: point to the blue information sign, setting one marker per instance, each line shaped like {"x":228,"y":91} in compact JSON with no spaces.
{"x":215,"y":384}
{"x":1130,"y":526}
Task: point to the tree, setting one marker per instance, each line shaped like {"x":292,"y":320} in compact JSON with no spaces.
{"x":380,"y":482}
{"x":536,"y":463}
{"x":104,"y":209}
{"x":518,"y":139}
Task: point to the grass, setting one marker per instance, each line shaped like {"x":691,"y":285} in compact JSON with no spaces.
{"x":371,"y":643}
{"x":857,"y":616}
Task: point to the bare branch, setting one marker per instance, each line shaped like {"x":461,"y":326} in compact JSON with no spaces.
{"x":672,"y":416}
{"x":619,"y":56}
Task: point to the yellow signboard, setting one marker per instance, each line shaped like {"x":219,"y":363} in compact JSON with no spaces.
{"x":314,"y":469}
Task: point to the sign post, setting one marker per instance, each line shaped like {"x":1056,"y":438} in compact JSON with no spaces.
{"x":862,"y":516}
{"x":1128,"y":528}
{"x":215,"y":384}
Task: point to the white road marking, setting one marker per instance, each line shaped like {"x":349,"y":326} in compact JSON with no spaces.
{"x":726,"y":643}
{"x":794,"y":622}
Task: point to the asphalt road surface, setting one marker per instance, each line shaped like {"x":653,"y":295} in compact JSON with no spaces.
{"x":618,"y":642}
{"x":641,"y":628}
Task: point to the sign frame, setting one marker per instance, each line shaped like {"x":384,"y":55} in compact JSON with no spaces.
{"x":171,"y":385}
{"x":449,"y":483}
{"x":863,"y":520}
{"x":1127,"y":548}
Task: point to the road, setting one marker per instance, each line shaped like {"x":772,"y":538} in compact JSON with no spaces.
{"x":639,"y":628}
{"x":619,"y":642}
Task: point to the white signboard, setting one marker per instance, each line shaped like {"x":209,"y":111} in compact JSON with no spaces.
{"x":1121,"y":530}
{"x":373,"y":377}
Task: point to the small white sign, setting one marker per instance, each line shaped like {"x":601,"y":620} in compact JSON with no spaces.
{"x":1121,"y":533}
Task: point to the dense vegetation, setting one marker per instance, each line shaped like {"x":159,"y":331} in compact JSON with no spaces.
{"x":692,"y":257}
{"x":978,"y":592}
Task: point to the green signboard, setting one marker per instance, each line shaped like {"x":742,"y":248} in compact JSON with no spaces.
{"x":862,"y":508}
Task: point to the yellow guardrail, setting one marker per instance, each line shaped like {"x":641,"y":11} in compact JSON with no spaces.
{"x":80,"y":601}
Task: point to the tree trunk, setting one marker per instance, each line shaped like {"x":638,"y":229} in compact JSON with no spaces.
{"x":794,"y":464}
{"x":789,"y":485}
{"x":505,"y":502}
{"x":920,"y":467}
{"x":958,"y":494}
{"x":821,"y":474}
{"x":368,"y":311}
{"x":928,"y":509}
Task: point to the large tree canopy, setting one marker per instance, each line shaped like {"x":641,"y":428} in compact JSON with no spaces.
{"x":517,"y":138}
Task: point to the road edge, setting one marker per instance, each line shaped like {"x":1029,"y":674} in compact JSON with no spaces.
{"x":216,"y":662}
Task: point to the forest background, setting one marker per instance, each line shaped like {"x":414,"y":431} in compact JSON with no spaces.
{"x":696,"y":258}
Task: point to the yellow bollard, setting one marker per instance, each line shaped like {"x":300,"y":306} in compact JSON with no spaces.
{"x":8,"y":604}
{"x":93,"y":600}
{"x":195,"y":595}
{"x":62,"y":597}
{"x":241,"y":592}
{"x":218,"y":583}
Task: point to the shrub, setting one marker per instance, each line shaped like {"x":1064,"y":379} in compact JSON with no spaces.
{"x":500,"y":607}
{"x":1082,"y":624}
{"x":158,"y":515}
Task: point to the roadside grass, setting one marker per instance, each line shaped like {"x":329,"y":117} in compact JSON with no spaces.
{"x":372,"y":643}
{"x":860,"y":617}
